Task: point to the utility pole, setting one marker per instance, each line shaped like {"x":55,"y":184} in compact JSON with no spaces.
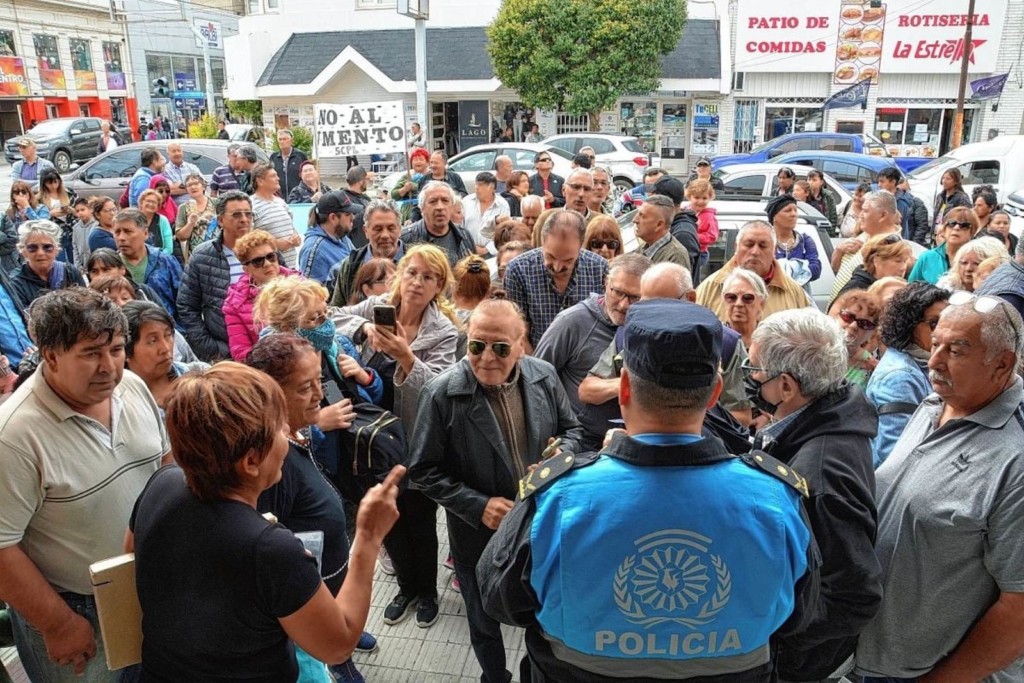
{"x":186,"y":16}
{"x":421,"y":76}
{"x":958,"y":119}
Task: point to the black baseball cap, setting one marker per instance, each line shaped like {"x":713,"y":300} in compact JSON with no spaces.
{"x":670,"y":187}
{"x":675,"y":344}
{"x":335,"y":202}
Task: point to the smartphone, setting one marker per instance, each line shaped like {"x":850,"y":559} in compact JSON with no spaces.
{"x":384,"y":316}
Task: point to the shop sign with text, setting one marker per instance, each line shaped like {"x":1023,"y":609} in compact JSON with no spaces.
{"x":847,"y":36}
{"x":13,"y":81}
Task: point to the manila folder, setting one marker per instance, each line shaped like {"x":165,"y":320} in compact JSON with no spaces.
{"x":117,"y":602}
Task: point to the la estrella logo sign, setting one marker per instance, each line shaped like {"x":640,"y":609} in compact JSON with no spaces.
{"x":946,"y":50}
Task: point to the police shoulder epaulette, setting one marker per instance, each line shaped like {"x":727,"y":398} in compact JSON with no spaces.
{"x":777,"y":469}
{"x":551,"y":469}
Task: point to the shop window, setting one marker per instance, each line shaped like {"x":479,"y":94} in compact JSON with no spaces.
{"x":112,"y":57}
{"x":81,"y":59}
{"x":158,"y":66}
{"x":782,"y":120}
{"x":7,"y":44}
{"x":46,"y":51}
{"x":639,"y":119}
{"x":506,"y":115}
{"x":52,"y":112}
{"x":744,"y":126}
{"x":217,"y":69}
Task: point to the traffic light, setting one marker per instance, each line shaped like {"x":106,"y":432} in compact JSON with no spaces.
{"x":161,"y":87}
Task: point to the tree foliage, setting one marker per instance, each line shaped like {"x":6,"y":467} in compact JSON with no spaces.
{"x":302,"y":138}
{"x":249,"y":111}
{"x":580,"y":56}
{"x":204,"y":128}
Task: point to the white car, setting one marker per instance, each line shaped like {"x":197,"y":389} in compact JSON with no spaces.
{"x":623,"y":154}
{"x":1014,"y":205}
{"x":761,"y":180}
{"x":481,"y":158}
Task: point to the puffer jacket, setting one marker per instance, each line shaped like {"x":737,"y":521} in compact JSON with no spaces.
{"x":200,"y":299}
{"x":684,"y":229}
{"x":237,"y":310}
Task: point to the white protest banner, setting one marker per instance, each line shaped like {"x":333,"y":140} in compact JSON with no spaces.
{"x":354,"y":129}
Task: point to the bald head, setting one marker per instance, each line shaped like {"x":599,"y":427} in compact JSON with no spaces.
{"x":667,"y":281}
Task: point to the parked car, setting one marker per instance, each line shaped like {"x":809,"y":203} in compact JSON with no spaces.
{"x":623,"y":154}
{"x":481,"y":158}
{"x":998,"y":162}
{"x":66,"y":141}
{"x":849,"y":169}
{"x":754,"y":181}
{"x":1014,"y":206}
{"x":243,"y":132}
{"x":109,"y":173}
{"x":862,"y":143}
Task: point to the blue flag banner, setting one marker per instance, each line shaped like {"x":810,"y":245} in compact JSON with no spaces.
{"x":987,"y":88}
{"x":855,"y":95}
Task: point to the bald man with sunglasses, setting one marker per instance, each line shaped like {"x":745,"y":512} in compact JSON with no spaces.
{"x":479,"y":428}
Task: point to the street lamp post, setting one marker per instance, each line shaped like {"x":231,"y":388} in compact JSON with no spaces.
{"x":419,"y":10}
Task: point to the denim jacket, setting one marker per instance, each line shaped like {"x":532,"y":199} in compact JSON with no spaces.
{"x":897,"y":379}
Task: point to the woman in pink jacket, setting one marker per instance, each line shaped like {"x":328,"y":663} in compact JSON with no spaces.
{"x":257,"y":252}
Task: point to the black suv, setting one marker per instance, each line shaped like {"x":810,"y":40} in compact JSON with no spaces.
{"x":66,"y":141}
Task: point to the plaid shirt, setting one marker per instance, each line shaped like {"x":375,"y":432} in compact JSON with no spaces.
{"x":654,"y":247}
{"x":529,"y":285}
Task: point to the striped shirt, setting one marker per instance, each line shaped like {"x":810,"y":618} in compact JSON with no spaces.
{"x":529,"y":286}
{"x":234,"y":265}
{"x":223,"y":179}
{"x":275,"y":217}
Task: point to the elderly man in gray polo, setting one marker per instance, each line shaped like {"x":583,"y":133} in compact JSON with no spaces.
{"x":78,"y":442}
{"x":951,"y":512}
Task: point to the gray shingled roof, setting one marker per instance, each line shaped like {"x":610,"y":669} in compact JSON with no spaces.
{"x":454,"y":54}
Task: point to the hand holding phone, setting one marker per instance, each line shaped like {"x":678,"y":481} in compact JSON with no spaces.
{"x":384,"y":316}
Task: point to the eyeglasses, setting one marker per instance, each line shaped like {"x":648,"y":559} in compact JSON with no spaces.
{"x":500,"y":349}
{"x":427,"y":278}
{"x":33,"y":248}
{"x":747,"y":369}
{"x":579,"y":187}
{"x":620,"y":295}
{"x":983,"y":305}
{"x":864,"y":324}
{"x":543,"y":159}
{"x":747,"y":298}
{"x":240,"y":214}
{"x":261,"y":261}
{"x":596,"y":244}
{"x":959,"y":225}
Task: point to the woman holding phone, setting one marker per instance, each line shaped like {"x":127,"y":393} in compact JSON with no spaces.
{"x":409,"y":335}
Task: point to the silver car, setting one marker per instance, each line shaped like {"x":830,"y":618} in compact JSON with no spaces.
{"x":623,"y":154}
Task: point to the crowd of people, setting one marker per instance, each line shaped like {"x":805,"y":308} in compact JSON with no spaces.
{"x":661,"y":473}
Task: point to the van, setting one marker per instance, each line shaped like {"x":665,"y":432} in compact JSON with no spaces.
{"x":996,"y":162}
{"x":858,"y":143}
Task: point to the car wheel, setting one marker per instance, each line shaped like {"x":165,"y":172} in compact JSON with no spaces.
{"x":621,"y":186}
{"x":62,"y":160}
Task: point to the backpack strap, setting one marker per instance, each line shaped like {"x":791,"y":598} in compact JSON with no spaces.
{"x":897,"y":407}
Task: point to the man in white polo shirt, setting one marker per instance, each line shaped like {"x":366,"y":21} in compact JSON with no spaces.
{"x":78,"y":442}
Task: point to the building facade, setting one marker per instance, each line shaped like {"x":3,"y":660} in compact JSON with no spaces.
{"x":165,"y":48}
{"x":744,"y":71}
{"x":62,"y":58}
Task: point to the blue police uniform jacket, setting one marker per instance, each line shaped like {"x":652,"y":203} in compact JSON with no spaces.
{"x":662,"y":557}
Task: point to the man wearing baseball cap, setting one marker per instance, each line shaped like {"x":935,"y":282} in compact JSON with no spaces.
{"x":702,"y":169}
{"x":326,"y":243}
{"x":30,"y":166}
{"x":663,"y":557}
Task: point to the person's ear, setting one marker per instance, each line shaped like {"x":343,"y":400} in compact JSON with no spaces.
{"x":625,"y":390}
{"x":248,"y":467}
{"x":691,"y":296}
{"x":716,"y":393}
{"x":49,"y":356}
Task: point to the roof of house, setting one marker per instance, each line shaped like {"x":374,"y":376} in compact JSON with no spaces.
{"x":455,"y":54}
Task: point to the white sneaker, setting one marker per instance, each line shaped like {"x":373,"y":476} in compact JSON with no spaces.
{"x":384,"y":560}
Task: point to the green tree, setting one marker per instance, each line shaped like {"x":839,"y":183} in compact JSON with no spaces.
{"x":249,"y":111}
{"x":580,"y":56}
{"x":205,"y":127}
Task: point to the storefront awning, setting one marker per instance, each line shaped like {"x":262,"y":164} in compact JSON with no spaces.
{"x":453,"y":55}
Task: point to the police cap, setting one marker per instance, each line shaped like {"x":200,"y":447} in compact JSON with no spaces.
{"x":675,"y":344}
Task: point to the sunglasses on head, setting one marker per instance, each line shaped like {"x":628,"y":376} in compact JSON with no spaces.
{"x":892,"y":239}
{"x":596,"y":244}
{"x":33,"y":248}
{"x":984,"y":305}
{"x":261,"y":261}
{"x":959,"y":225}
{"x":500,"y":349}
{"x":864,"y":324}
{"x":731,"y":298}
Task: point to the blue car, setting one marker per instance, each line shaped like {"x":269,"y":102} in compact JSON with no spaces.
{"x":857,"y":143}
{"x":850,"y":170}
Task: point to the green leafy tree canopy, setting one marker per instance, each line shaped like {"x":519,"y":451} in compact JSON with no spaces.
{"x":250,"y":111}
{"x":582,"y":55}
{"x":302,"y":138}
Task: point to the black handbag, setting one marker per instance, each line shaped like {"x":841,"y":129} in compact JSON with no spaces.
{"x":369,"y":448}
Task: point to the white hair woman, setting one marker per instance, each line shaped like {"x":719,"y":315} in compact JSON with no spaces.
{"x":39,"y":244}
{"x":968,"y":258}
{"x":744,"y":294}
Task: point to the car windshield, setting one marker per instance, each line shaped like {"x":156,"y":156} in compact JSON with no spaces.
{"x":930,"y":168}
{"x":50,"y":127}
{"x":632,"y":145}
{"x":557,"y":151}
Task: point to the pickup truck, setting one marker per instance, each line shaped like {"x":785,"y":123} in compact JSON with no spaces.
{"x":66,"y":141}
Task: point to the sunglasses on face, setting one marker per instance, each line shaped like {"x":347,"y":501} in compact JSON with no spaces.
{"x":240,"y":214}
{"x":261,"y":261}
{"x":545,"y":159}
{"x":596,"y":244}
{"x":958,"y":225}
{"x":33,"y":248}
{"x":731,"y":298}
{"x":500,"y":349}
{"x":17,"y":192}
{"x":848,"y":317}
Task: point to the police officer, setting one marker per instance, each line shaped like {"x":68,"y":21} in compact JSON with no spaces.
{"x":663,"y":556}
